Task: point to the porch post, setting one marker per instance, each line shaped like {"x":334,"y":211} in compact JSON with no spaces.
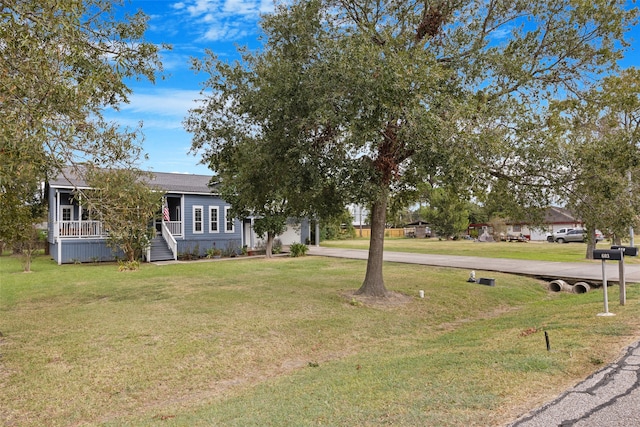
{"x":54,"y":215}
{"x":80,"y":215}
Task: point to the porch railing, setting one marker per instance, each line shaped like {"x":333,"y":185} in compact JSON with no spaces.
{"x":174,"y":227}
{"x":80,"y":229}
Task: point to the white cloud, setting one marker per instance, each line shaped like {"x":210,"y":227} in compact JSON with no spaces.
{"x":163,"y":102}
{"x":162,"y":109}
{"x":241,"y":7}
{"x":266,"y":6}
{"x":224,"y":19}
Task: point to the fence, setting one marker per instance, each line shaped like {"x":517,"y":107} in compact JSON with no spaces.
{"x":389,"y":232}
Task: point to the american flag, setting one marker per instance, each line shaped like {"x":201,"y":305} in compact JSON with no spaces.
{"x":165,"y":213}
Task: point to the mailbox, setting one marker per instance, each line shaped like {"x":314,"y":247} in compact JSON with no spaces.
{"x":628,"y":250}
{"x":607,"y":254}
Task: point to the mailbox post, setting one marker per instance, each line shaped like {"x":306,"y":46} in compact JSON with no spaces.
{"x":604,"y":255}
{"x":626,"y":251}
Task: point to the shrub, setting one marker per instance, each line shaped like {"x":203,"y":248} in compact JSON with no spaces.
{"x":298,"y":249}
{"x":277,"y":246}
{"x":231,"y":249}
{"x":213,"y":252}
{"x":128,"y":265}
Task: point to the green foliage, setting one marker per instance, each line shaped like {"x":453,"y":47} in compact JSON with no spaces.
{"x":277,"y":246}
{"x":128,"y":265}
{"x":63,"y":63}
{"x":232,"y":247}
{"x":125,"y":204}
{"x":600,"y":177}
{"x":352,"y":102}
{"x":22,"y":206}
{"x":298,"y":249}
{"x":447,"y":213}
{"x":272,"y":224}
{"x":498,"y":226}
{"x":338,"y":227}
{"x":214,"y":252}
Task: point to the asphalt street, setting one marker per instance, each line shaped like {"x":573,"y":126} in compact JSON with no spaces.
{"x":610,"y":397}
{"x":587,"y":271}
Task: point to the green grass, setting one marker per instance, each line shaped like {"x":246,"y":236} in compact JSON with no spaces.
{"x":538,"y":251}
{"x":258,"y":343}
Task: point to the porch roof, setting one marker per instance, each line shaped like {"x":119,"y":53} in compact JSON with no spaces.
{"x":169,"y":182}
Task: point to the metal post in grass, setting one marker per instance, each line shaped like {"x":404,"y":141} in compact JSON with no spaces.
{"x":546,"y":338}
{"x":604,"y":255}
{"x":624,"y":251}
{"x":621,"y":279}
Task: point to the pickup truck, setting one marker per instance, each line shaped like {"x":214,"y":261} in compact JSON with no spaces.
{"x":566,"y":235}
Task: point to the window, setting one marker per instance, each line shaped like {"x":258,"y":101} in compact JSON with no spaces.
{"x":517,"y":228}
{"x":197,"y":220}
{"x":214,"y":226}
{"x":229,"y":224}
{"x":66,"y":212}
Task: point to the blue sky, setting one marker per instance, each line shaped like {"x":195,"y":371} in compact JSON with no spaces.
{"x":191,"y":26}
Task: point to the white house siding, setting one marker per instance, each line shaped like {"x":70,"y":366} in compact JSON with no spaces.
{"x":539,"y":234}
{"x":296,"y":232}
{"x":293,"y":234}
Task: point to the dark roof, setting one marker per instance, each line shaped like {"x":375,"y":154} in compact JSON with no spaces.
{"x":169,"y":182}
{"x":183,"y":183}
{"x":558,"y":215}
{"x":418,"y":223}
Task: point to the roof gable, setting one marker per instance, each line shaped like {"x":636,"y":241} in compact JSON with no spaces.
{"x":558,"y":215}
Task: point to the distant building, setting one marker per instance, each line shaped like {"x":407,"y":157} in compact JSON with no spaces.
{"x":360,"y":215}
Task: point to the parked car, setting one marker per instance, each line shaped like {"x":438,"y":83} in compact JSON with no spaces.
{"x":575,"y":235}
{"x":558,"y":234}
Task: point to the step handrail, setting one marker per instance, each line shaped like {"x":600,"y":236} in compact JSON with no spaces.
{"x":171,"y":241}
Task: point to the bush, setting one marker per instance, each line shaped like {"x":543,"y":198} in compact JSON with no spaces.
{"x":231,"y":249}
{"x":276,"y":248}
{"x":128,"y":265}
{"x":298,"y":249}
{"x":213,"y":252}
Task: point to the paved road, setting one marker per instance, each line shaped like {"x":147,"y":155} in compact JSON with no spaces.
{"x":587,"y":271}
{"x":610,"y":397}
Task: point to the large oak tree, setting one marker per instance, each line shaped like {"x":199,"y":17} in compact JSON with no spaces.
{"x":388,"y":94}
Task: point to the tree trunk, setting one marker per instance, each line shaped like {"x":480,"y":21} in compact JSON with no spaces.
{"x":269,"y":245}
{"x":591,"y":242}
{"x":373,"y":281}
{"x":28,"y":255}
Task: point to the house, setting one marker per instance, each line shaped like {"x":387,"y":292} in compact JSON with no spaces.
{"x":196,"y":218}
{"x":555,"y":218}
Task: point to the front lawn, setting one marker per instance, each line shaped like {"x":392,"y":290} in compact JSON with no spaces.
{"x":253,"y":342}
